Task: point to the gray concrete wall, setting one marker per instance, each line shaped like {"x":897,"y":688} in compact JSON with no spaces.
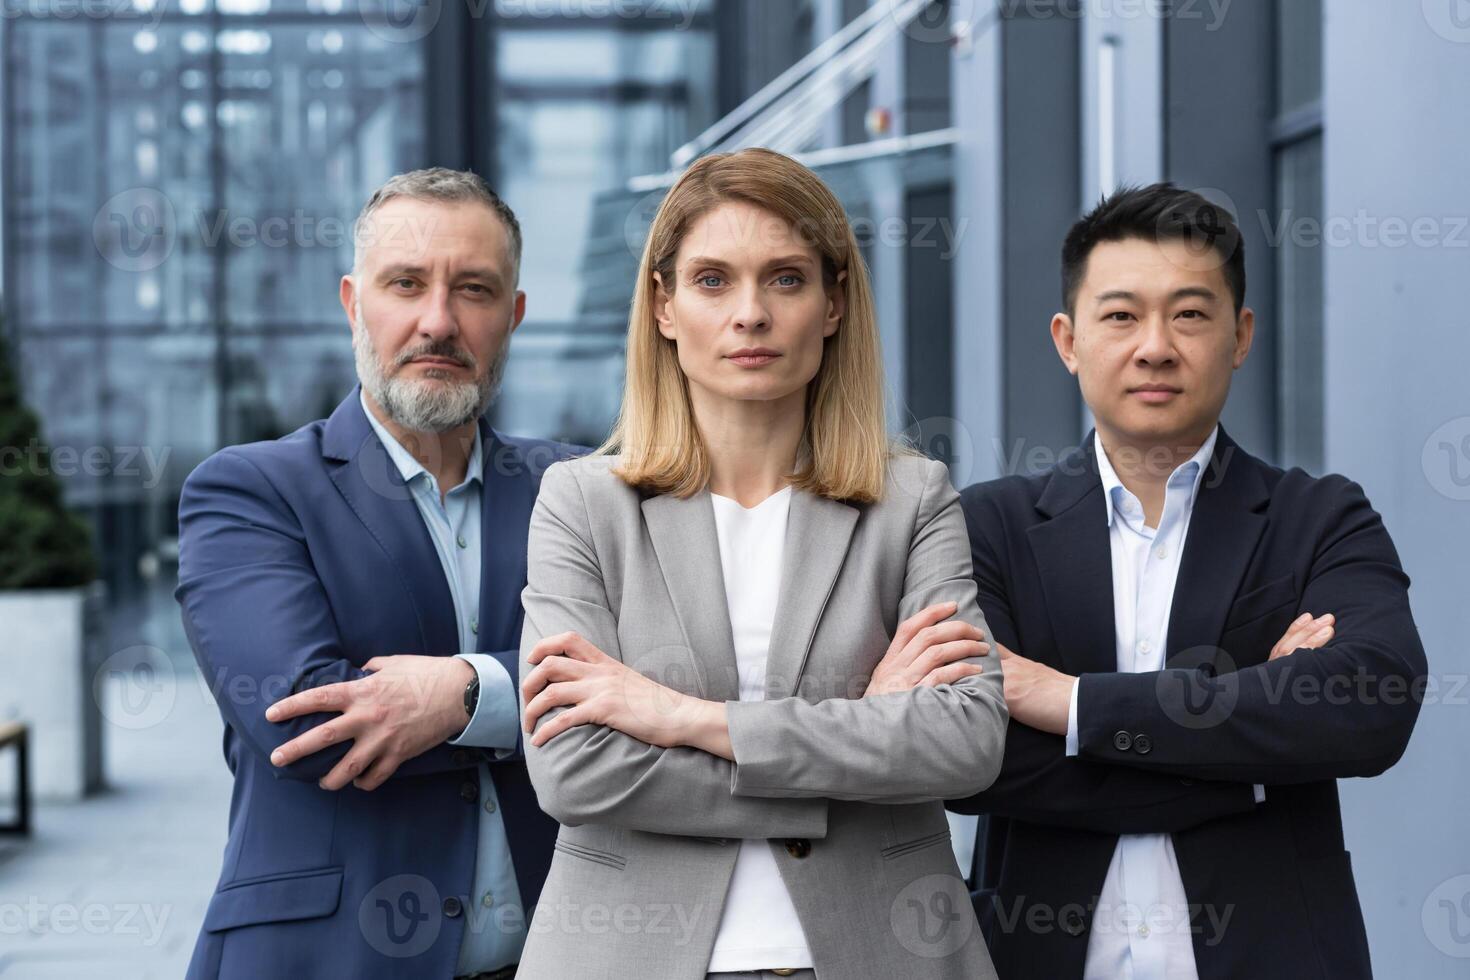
{"x":1397,"y":357}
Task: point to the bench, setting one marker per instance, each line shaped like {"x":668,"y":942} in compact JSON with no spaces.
{"x":15,"y":733}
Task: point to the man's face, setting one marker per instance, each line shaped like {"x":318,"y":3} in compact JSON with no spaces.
{"x":433,"y":306}
{"x":1154,"y":341}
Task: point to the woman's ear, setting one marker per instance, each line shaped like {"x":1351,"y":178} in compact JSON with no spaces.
{"x":836,"y":305}
{"x":661,"y":314}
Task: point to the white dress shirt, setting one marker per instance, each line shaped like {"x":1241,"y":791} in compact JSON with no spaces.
{"x":758,"y":929}
{"x":1141,"y":929}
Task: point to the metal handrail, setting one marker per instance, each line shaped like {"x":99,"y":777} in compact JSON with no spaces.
{"x":900,"y":13}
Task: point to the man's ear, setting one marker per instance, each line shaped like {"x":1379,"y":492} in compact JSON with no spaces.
{"x":1245,"y":332}
{"x":661,"y":314}
{"x":1064,"y":336}
{"x":836,"y":305}
{"x":520,"y":310}
{"x":347,"y":293}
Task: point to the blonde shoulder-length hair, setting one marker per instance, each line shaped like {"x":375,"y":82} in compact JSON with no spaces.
{"x":845,"y":446}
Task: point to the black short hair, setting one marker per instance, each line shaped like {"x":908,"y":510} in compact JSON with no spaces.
{"x":1158,"y":212}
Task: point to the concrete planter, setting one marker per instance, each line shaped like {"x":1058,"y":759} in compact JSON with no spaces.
{"x":47,"y":643}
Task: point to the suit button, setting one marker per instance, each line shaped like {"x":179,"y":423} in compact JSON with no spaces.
{"x":1122,"y":741}
{"x":469,"y":792}
{"x":1072,"y":923}
{"x":462,"y":757}
{"x":798,"y":847}
{"x":1142,"y":744}
{"x":452,"y":907}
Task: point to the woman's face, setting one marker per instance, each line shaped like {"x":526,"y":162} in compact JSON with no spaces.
{"x":747,"y":308}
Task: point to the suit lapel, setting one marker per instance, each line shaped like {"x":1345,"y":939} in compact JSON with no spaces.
{"x":374,"y":489}
{"x":818,"y":532}
{"x":1074,"y":560}
{"x":682,"y":530}
{"x":1228,"y":519}
{"x":507,"y":495}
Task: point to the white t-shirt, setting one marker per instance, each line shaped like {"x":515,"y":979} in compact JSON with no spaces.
{"x":759,"y":929}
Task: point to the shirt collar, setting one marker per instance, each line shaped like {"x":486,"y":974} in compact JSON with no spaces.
{"x":1191,"y":470}
{"x":408,"y":467}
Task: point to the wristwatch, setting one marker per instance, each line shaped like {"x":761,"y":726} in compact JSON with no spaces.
{"x":472,"y":696}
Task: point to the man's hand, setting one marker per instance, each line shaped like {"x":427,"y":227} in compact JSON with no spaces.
{"x":1036,"y":694}
{"x":406,"y":706}
{"x":926,"y":650}
{"x":599,"y":690}
{"x":1305,"y":631}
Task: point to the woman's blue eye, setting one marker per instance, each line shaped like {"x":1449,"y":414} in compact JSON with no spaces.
{"x":710,"y":281}
{"x":794,"y":280}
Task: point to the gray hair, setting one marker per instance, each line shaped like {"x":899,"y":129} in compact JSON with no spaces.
{"x":440,"y":184}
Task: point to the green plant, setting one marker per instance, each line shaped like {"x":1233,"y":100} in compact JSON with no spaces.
{"x":42,"y":544}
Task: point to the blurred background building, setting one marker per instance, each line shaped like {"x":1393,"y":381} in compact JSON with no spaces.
{"x":179,"y":180}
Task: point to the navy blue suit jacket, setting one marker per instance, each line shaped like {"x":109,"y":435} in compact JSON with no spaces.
{"x":299,"y":560}
{"x":1177,"y":751}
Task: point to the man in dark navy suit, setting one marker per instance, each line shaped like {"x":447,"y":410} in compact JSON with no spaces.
{"x":1196,"y":646}
{"x":370,"y":567}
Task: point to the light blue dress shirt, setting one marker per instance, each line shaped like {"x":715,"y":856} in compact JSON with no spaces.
{"x":1141,"y":924}
{"x":495,"y":919}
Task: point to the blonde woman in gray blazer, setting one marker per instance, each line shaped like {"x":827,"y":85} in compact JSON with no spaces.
{"x":752,"y":660}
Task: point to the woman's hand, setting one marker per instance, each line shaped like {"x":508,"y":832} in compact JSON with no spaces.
{"x":927,"y":650}
{"x":598,"y":690}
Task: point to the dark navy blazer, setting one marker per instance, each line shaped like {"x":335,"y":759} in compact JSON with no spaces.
{"x":1177,"y":751}
{"x":299,"y":560}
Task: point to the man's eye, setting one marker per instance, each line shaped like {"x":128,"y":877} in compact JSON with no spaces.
{"x":475,"y":287}
{"x":1119,"y":317}
{"x":403,"y":283}
{"x":1192,"y":314}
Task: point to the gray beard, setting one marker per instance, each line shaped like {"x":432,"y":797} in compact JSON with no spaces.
{"x":425,"y":405}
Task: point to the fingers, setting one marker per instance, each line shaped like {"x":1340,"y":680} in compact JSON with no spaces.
{"x":344,"y":772}
{"x":327,"y":734}
{"x":951,"y":674}
{"x":1305,"y":631}
{"x":555,"y":726}
{"x":567,"y":692}
{"x":328,"y":697}
{"x":940,"y":633}
{"x":927,"y":616}
{"x":572,"y":645}
{"x":944,"y":654}
{"x":555,"y":669}
{"x":377,"y":774}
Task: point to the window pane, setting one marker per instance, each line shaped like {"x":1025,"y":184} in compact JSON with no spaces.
{"x":1300,"y":292}
{"x":1298,"y":53}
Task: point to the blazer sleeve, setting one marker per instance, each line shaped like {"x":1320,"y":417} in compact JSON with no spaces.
{"x":594,"y":773}
{"x":1039,"y":783}
{"x":256,"y":614}
{"x":927,"y":743}
{"x":1346,"y":709}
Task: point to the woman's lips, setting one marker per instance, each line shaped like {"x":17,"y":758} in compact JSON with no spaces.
{"x":753,"y":360}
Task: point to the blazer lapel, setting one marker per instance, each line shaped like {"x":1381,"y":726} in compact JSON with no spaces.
{"x":1228,"y":519}
{"x":507,"y":496}
{"x":818,"y":532}
{"x":374,"y":489}
{"x":1074,"y":560}
{"x":682,"y":530}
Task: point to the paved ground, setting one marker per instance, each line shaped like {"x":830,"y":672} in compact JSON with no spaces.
{"x":116,"y":886}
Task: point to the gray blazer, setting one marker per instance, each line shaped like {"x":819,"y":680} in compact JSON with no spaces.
{"x":845,"y":788}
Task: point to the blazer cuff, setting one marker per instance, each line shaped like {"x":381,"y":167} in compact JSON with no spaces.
{"x":1072,"y":719}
